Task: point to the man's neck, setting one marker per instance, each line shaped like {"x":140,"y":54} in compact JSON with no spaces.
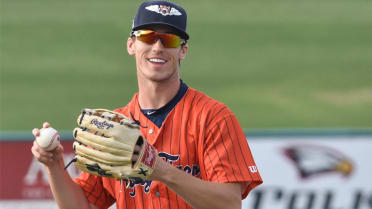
{"x":154,"y":95}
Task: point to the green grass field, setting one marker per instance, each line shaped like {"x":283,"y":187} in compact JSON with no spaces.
{"x":276,"y":64}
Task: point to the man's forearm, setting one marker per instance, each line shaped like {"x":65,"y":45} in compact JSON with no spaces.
{"x":196,"y":192}
{"x":66,"y":192}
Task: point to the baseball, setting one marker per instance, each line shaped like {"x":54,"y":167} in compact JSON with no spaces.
{"x":48,"y":139}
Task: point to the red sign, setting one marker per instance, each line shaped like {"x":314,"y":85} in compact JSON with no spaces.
{"x":22,"y":176}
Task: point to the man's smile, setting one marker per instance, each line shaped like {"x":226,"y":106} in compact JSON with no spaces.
{"x":157,"y":60}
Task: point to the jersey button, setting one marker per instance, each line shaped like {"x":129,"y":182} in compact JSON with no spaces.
{"x":151,"y":131}
{"x":157,"y":194}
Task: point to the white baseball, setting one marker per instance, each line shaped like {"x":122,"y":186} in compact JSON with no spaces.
{"x":48,"y":139}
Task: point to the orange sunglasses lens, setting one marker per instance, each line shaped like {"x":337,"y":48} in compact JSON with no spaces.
{"x":150,"y":37}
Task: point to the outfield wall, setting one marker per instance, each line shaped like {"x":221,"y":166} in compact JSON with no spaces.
{"x":301,"y":170}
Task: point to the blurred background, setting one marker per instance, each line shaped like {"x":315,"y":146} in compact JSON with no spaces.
{"x":285,"y":68}
{"x":276,"y":64}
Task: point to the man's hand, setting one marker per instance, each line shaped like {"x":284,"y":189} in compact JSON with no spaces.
{"x":109,"y":144}
{"x":48,"y":158}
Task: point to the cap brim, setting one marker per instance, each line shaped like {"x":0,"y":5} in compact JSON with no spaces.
{"x":178,"y":31}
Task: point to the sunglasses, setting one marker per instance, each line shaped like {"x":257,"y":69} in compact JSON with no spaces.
{"x":150,"y":37}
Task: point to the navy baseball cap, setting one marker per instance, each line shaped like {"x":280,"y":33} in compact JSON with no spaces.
{"x":161,"y":13}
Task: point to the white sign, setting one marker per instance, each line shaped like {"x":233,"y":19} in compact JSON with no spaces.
{"x":312,"y":172}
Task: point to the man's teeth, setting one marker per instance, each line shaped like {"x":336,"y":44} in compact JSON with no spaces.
{"x":157,"y":60}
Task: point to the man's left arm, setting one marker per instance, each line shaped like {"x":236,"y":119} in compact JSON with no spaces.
{"x":198,"y":193}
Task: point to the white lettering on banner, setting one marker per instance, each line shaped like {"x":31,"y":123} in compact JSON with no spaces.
{"x":280,"y":198}
{"x":31,"y":177}
{"x":36,"y":193}
{"x":36,"y":169}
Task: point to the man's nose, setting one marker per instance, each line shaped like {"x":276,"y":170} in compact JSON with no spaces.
{"x":158,"y":45}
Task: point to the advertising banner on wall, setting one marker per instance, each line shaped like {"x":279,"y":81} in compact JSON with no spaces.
{"x":22,"y":176}
{"x":299,"y":172}
{"x":314,"y":172}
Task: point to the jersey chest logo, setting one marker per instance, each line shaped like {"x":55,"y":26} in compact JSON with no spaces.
{"x":171,"y":159}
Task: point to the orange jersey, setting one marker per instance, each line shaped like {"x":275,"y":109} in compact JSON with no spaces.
{"x":200,"y":135}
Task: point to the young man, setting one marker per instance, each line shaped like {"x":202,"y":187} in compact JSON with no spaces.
{"x":205,"y":159}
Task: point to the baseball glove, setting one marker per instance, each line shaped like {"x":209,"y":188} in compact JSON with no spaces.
{"x":105,"y":145}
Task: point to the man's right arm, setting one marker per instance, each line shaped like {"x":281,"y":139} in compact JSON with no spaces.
{"x":66,"y":192}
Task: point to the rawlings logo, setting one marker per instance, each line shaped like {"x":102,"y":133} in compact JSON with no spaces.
{"x":149,"y":156}
{"x":101,"y":125}
{"x":164,"y":10}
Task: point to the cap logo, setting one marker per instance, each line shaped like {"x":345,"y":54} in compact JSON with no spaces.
{"x":164,"y":10}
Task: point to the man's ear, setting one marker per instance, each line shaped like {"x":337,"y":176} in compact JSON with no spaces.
{"x":130,"y":46}
{"x":183,"y":51}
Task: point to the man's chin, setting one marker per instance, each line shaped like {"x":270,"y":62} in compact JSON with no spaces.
{"x":159,"y":79}
{"x":158,"y":75}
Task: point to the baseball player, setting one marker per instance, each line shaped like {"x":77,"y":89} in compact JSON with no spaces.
{"x":202,"y":159}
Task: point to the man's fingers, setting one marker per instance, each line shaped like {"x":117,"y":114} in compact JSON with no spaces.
{"x":39,"y":152}
{"x":48,"y":158}
{"x":137,"y":148}
{"x":136,"y":153}
{"x":46,"y":125}
{"x":36,"y":152}
{"x":135,"y":158}
{"x":59,"y":148}
{"x":44,"y":153}
{"x":36,"y":132}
